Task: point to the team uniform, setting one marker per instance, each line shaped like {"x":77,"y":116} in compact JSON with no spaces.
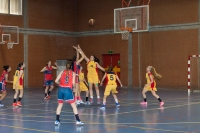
{"x":83,"y":87}
{"x":111,"y":86}
{"x":76,"y":69}
{"x":153,"y":85}
{"x":65,"y":92}
{"x":111,"y":83}
{"x":3,"y":81}
{"x":48,"y":78}
{"x":92,"y":74}
{"x":20,"y":84}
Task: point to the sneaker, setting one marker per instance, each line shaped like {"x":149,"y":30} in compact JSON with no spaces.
{"x":14,"y":105}
{"x":46,"y":98}
{"x":81,"y":102}
{"x":57,"y":122}
{"x":143,"y":103}
{"x":91,"y":100}
{"x":161,"y":103}
{"x":117,"y":105}
{"x":103,"y":107}
{"x":1,"y":105}
{"x":87,"y":103}
{"x":77,"y":103}
{"x":79,"y":123}
{"x":19,"y":104}
{"x":98,"y":101}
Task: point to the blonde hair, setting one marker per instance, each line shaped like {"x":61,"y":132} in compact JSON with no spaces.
{"x":153,"y":71}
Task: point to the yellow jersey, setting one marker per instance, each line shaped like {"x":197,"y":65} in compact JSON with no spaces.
{"x":111,"y":78}
{"x":16,"y":77}
{"x":92,"y":68}
{"x":153,"y":85}
{"x":81,"y":76}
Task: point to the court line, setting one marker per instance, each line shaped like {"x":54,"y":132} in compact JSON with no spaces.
{"x":152,"y":109}
{"x":30,"y":129}
{"x":144,"y":128}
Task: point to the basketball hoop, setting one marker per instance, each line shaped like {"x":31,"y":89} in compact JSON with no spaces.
{"x":125,"y":32}
{"x":9,"y":44}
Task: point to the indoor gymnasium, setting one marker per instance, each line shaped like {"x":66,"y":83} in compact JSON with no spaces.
{"x":99,"y":66}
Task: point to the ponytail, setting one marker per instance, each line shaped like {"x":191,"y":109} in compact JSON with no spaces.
{"x":68,"y":67}
{"x":153,"y":71}
{"x":96,"y":59}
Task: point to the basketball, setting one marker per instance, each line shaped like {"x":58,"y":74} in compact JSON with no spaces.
{"x":91,"y":22}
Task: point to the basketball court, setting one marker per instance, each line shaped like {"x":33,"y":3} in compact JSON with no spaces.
{"x":128,"y":35}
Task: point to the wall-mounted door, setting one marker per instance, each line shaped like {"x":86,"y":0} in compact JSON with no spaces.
{"x":112,"y":60}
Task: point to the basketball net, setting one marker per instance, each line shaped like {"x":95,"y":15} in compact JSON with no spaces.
{"x":125,"y":33}
{"x":9,"y":44}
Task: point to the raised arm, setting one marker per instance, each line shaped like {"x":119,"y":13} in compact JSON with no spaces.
{"x":101,"y":68}
{"x":77,"y":53}
{"x":82,"y":54}
{"x":58,"y":78}
{"x":43,"y":69}
{"x":103,"y":79}
{"x":6,"y":78}
{"x":119,"y":80}
{"x":56,"y":66}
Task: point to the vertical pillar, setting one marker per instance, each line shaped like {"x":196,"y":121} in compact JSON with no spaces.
{"x":199,"y":44}
{"x":130,"y":61}
{"x":139,"y":62}
{"x":25,"y":18}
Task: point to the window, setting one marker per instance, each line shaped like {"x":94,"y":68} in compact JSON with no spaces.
{"x":11,"y":7}
{"x":16,"y":7}
{"x":4,"y":6}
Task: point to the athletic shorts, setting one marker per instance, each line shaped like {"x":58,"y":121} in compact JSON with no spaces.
{"x":2,"y":87}
{"x":65,"y":94}
{"x":93,"y":79}
{"x":48,"y":83}
{"x":83,"y":87}
{"x":149,"y":88}
{"x":110,"y":88}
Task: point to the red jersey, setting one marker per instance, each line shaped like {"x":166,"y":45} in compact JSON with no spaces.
{"x":76,"y":68}
{"x":48,"y":73}
{"x":2,"y":78}
{"x":66,"y":80}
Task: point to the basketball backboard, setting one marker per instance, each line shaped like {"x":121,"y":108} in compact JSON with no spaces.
{"x":9,"y":33}
{"x":136,"y":17}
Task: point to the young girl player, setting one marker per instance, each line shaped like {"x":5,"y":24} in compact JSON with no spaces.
{"x":48,"y":79}
{"x":3,"y":81}
{"x":92,"y":75}
{"x":66,"y":81}
{"x":76,"y":68}
{"x":18,"y":84}
{"x":151,"y":85}
{"x":111,"y":86}
{"x":83,"y":86}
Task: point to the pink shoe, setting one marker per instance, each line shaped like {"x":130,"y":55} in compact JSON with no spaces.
{"x":161,"y":103}
{"x":143,"y":103}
